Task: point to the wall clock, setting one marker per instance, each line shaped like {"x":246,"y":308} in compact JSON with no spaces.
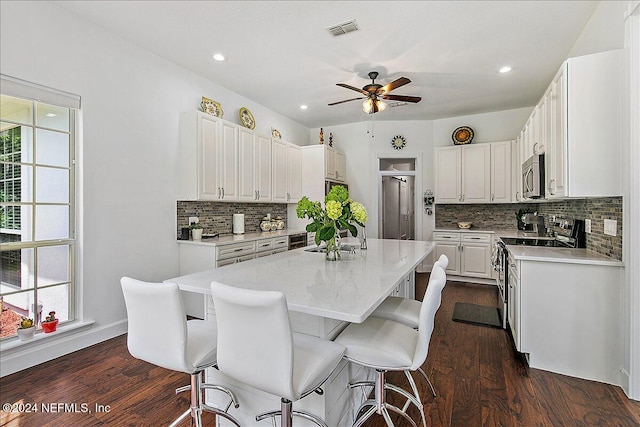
{"x":398,"y":142}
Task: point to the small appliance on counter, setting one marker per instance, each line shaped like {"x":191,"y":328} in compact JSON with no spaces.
{"x":238,"y":223}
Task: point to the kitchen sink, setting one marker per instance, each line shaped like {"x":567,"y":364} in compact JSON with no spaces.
{"x":323,"y":249}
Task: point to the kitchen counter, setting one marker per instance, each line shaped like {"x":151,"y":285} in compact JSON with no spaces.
{"x":541,"y":253}
{"x":246,"y":237}
{"x":347,"y":290}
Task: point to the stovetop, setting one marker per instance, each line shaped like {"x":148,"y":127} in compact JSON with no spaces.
{"x":551,"y":243}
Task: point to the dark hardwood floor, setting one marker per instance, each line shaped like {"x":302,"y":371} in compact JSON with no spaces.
{"x":479,"y":379}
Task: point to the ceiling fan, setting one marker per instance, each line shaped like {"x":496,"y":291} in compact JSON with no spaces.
{"x":375,"y":93}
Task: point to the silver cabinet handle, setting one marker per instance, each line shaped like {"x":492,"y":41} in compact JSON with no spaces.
{"x":517,"y":195}
{"x":218,"y":192}
{"x":258,"y":195}
{"x":493,"y":197}
{"x":255,"y":194}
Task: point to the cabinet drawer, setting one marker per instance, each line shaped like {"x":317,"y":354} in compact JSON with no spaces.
{"x":246,"y":258}
{"x":224,"y":262}
{"x":277,"y":251}
{"x":476,"y":237}
{"x":235,"y":250}
{"x":442,"y":235}
{"x":264,"y":245}
{"x":263,"y":254}
{"x":281,"y":242}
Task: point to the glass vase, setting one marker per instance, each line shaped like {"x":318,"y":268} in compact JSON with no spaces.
{"x":333,"y":252}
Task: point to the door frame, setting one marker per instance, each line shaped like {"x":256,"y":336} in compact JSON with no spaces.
{"x":418,"y":187}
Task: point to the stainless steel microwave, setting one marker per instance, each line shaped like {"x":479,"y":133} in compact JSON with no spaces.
{"x":533,"y":177}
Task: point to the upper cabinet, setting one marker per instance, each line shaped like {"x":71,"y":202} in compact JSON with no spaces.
{"x":580,"y":128}
{"x":477,"y":173}
{"x":221,"y":161}
{"x":334,"y":163}
{"x":198,"y":157}
{"x":463,"y":174}
{"x":286,"y":169}
{"x":321,"y":163}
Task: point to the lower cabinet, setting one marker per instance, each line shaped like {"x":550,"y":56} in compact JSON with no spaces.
{"x":565,"y":317}
{"x":469,"y":253}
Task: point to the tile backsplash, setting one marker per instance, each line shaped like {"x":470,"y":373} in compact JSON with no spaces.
{"x":496,"y":216}
{"x":217,"y":217}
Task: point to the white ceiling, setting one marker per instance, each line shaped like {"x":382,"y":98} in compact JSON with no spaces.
{"x":281,"y":55}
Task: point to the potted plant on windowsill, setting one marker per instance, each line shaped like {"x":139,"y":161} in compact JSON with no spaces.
{"x":50,"y":323}
{"x":26,"y":330}
{"x":196,"y":231}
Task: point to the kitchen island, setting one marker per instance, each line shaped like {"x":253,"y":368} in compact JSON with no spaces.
{"x":322,"y":296}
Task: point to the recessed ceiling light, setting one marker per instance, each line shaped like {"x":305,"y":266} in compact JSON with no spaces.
{"x":50,"y":115}
{"x":219,"y":57}
{"x":303,"y":107}
{"x":505,"y":69}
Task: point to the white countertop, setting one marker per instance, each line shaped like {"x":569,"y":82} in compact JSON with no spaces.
{"x":347,"y":290}
{"x":543,"y":253}
{"x":246,"y":237}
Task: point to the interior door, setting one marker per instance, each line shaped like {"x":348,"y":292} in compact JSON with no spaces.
{"x":390,"y":208}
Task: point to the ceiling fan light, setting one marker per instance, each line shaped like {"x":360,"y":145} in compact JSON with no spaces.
{"x":381,"y":105}
{"x":367,"y":106}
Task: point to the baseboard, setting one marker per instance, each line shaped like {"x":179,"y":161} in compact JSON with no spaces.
{"x":27,"y":356}
{"x":478,"y":280}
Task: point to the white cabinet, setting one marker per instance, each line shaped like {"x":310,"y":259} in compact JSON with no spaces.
{"x":469,"y":253}
{"x":221,"y":161}
{"x":341,"y":166}
{"x":516,"y":170}
{"x":263,"y":168}
{"x":577,"y":124}
{"x":513,"y":303}
{"x":501,"y":176}
{"x":294,"y":174}
{"x":463,"y":174}
{"x":564,"y":311}
{"x":286,"y":172}
{"x":322,"y":162}
{"x":254,"y":167}
{"x":198,"y":176}
{"x":229,"y":162}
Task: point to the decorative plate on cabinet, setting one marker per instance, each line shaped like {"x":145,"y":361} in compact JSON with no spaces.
{"x":462,"y":135}
{"x":275,"y":133}
{"x":398,"y":142}
{"x":212,"y":107}
{"x":246,"y":118}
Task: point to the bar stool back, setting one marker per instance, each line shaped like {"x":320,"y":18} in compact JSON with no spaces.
{"x":257,"y":347}
{"x":159,"y":333}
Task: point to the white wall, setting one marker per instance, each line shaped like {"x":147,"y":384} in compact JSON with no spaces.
{"x":604,"y":30}
{"x":131,"y":102}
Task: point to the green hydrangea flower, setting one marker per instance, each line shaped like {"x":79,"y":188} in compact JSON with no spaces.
{"x":334,"y":209}
{"x":338,"y":194}
{"x":359,"y":212}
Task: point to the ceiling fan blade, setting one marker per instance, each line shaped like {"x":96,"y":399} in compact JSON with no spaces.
{"x":394,"y":85}
{"x":364,"y":92}
{"x":346,"y":100}
{"x":402,"y":98}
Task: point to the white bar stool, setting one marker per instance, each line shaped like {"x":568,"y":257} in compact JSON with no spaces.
{"x":407,"y":312}
{"x":385,"y":345}
{"x":257,"y":347}
{"x":176,"y":344}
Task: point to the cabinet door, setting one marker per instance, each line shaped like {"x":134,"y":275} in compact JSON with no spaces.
{"x":341,"y":166}
{"x":448,"y":175}
{"x":229,"y":161}
{"x":556,"y":157}
{"x":452,"y":251}
{"x":476,"y":176}
{"x":501,"y":176}
{"x":513,"y":306}
{"x":516,"y":170}
{"x":279,"y":171}
{"x":208,"y":174}
{"x":247,"y":165}
{"x":294,"y":174}
{"x":476,"y":260}
{"x":329,"y":163}
{"x":263,"y":168}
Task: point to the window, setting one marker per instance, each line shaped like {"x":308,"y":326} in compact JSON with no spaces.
{"x":37,"y":194}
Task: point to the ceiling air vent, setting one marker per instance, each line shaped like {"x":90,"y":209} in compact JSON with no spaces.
{"x":344,"y":28}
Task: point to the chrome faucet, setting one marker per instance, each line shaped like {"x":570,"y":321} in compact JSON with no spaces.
{"x":362,"y":236}
{"x":537,"y":221}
